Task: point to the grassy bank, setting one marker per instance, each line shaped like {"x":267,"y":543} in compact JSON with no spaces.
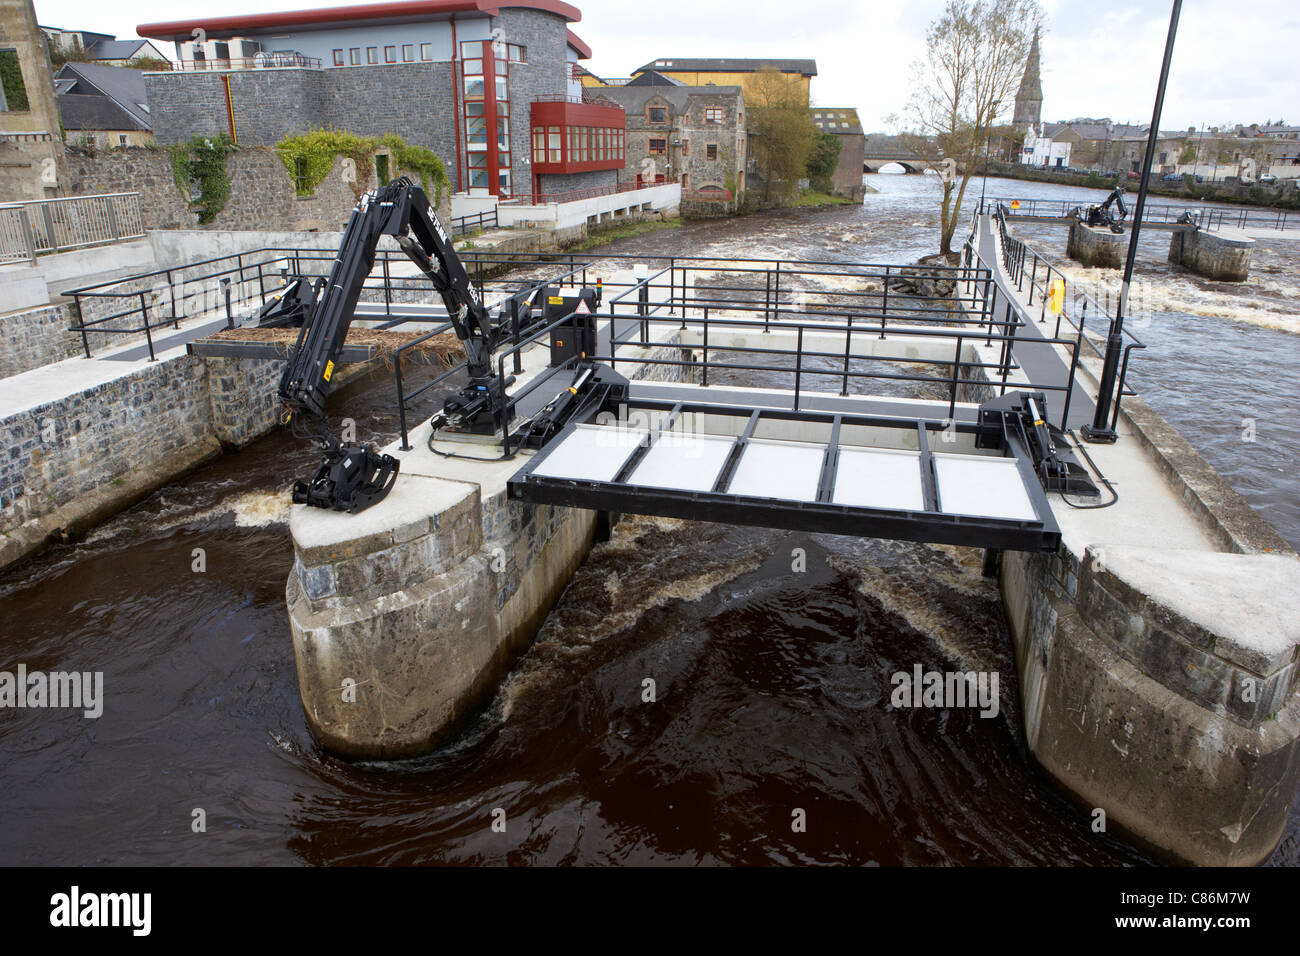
{"x":628,"y":231}
{"x":811,"y":198}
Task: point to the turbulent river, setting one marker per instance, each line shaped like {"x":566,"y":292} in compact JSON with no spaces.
{"x":772,"y":684}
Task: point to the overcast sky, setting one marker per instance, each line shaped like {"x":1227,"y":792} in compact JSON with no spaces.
{"x":1235,"y":60}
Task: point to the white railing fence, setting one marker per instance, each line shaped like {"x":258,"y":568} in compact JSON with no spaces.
{"x":28,"y":229}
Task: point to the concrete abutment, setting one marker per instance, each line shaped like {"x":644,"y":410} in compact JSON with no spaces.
{"x":1224,"y":255}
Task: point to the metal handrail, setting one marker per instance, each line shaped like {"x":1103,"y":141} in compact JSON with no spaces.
{"x":1015,"y":254}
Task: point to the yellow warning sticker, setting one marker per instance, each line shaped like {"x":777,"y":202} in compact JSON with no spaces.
{"x":556,"y":300}
{"x":329,"y":370}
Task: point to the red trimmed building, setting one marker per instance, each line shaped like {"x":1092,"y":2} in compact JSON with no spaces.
{"x":491,"y":86}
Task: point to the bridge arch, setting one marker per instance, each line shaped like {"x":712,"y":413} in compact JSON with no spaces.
{"x":910,"y":166}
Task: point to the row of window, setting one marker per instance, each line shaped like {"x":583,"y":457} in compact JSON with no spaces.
{"x":510,"y":52}
{"x":586,"y":144}
{"x":659,"y":147}
{"x":390,"y":54}
{"x":658,"y":115}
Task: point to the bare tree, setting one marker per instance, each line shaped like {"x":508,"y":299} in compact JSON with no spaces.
{"x":975,"y":56}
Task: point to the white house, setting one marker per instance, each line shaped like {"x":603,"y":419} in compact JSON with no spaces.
{"x":1042,"y":150}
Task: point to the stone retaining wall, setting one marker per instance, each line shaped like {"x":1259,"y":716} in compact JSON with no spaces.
{"x":34,"y":338}
{"x":68,"y":464}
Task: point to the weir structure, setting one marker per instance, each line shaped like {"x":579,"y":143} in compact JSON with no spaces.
{"x":1201,"y":240}
{"x":1157,"y":665}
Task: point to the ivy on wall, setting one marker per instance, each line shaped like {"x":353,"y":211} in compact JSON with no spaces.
{"x":200,"y":165}
{"x":310,"y":157}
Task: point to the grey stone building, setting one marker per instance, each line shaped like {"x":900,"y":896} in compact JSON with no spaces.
{"x":846,"y":180}
{"x":473,"y":80}
{"x":695,"y":135}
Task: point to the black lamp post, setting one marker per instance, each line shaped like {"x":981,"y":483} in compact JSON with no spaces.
{"x":1100,"y":430}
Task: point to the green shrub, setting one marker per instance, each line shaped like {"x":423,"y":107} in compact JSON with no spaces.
{"x":310,"y":157}
{"x":202,"y":162}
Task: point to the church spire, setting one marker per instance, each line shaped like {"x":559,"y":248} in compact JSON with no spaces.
{"x":1029,"y":99}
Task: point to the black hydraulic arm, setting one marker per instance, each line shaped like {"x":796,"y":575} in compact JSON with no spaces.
{"x":354,"y":477}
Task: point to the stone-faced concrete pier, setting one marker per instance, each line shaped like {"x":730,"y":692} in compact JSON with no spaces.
{"x":1157,"y":649}
{"x":407,"y":616}
{"x":1223,"y":255}
{"x":1096,"y":246}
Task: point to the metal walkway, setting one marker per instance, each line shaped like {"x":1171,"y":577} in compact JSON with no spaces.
{"x":910,"y":479}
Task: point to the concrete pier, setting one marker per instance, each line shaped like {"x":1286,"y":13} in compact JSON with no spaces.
{"x":1224,"y":255}
{"x":407,"y":616}
{"x":1157,"y":651}
{"x":1096,"y":246}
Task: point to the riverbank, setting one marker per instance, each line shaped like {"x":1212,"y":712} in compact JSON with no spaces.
{"x":1281,"y":196}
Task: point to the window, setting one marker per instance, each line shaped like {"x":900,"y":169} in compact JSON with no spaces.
{"x":408,"y":53}
{"x":338,"y":57}
{"x":15,"y":91}
{"x":426,"y":51}
{"x":121,"y":139}
{"x":711,"y":152}
{"x":516,"y":53}
{"x":657,"y":147}
{"x":301,"y":179}
{"x":372,"y":55}
{"x":656,"y":115}
{"x":715,"y":115}
{"x":354,"y":55}
{"x":686,"y":147}
{"x":553,"y":144}
{"x":390,"y":54}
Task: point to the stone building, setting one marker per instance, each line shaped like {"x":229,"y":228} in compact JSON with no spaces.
{"x":695,"y":135}
{"x":844,"y":123}
{"x":31,"y":149}
{"x":489,"y":86}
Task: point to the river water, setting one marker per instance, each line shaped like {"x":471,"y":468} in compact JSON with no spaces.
{"x":771,"y":651}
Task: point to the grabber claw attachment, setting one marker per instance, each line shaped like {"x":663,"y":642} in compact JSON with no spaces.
{"x":351,"y":479}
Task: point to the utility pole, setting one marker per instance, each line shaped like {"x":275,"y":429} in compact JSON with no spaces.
{"x":1100,"y":430}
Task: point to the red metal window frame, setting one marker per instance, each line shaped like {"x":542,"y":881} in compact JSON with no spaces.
{"x":591,"y":136}
{"x":495,"y":159}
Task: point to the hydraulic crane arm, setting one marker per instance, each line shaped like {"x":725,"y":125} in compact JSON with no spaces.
{"x":352,"y":478}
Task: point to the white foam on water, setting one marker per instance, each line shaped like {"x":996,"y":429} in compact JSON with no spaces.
{"x":1172,"y":294}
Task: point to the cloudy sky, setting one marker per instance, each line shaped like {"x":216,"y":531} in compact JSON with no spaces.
{"x":1234,"y":61}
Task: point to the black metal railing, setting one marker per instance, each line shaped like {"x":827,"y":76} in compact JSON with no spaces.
{"x":462,"y":225}
{"x":1027,"y":267}
{"x":1206,"y":217}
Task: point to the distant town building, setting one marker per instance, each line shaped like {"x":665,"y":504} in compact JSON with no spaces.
{"x":489,"y":85}
{"x":731,"y":72}
{"x":103,"y":106}
{"x":844,"y":123}
{"x":100,"y":47}
{"x":1041,"y":150}
{"x":1029,"y":98}
{"x":695,"y":135}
